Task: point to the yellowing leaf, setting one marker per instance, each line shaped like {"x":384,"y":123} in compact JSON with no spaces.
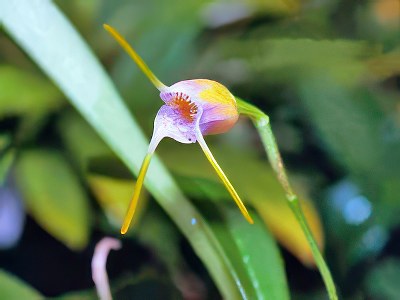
{"x":54,"y":196}
{"x":387,"y":13}
{"x":113,"y":195}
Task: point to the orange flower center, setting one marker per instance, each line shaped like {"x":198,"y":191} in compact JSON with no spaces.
{"x":186,"y":108}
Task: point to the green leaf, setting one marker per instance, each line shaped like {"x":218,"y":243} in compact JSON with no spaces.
{"x":81,"y":295}
{"x":152,"y":227}
{"x":382,"y":281}
{"x":6,"y":161}
{"x":256,"y":254}
{"x":254,"y":181}
{"x":112,"y":192}
{"x":347,"y":121}
{"x":24,"y":93}
{"x":5,"y":141}
{"x":54,"y":196}
{"x":236,"y":237}
{"x":360,"y":130}
{"x":293,"y":59}
{"x":7,"y":156}
{"x":149,"y":284}
{"x":66,"y":59}
{"x":80,"y":140}
{"x":237,"y":240}
{"x":12,"y":288}
{"x":29,"y":96}
{"x":113,"y":195}
{"x":251,"y":248}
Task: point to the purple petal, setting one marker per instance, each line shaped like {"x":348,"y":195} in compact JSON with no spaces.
{"x":218,"y":105}
{"x":170,"y":123}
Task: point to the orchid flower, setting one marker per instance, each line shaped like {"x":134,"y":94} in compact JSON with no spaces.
{"x":192,"y":109}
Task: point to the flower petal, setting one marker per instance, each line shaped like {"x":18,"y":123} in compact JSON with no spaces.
{"x":136,"y":193}
{"x":169,"y":123}
{"x":137,"y":59}
{"x":222,"y":176}
{"x":217,"y":103}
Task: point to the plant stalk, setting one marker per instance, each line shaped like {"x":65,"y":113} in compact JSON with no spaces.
{"x":263,"y":126}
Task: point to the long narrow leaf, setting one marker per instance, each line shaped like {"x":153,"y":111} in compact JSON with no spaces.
{"x":51,"y":41}
{"x":254,"y":257}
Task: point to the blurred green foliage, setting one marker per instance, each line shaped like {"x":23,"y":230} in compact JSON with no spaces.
{"x":13,"y":288}
{"x":327,"y":73}
{"x":54,"y":196}
{"x":381,"y":282}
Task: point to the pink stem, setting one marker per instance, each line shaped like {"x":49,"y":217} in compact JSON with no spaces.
{"x":99,"y":260}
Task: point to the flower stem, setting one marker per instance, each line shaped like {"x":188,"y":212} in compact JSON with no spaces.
{"x":263,"y":126}
{"x":322,"y":266}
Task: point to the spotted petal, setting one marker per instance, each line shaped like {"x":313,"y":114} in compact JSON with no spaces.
{"x":193,"y":108}
{"x":169,"y":123}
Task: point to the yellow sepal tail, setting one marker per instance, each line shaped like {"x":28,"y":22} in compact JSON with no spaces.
{"x":223,"y":178}
{"x":136,"y":193}
{"x":137,"y":59}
